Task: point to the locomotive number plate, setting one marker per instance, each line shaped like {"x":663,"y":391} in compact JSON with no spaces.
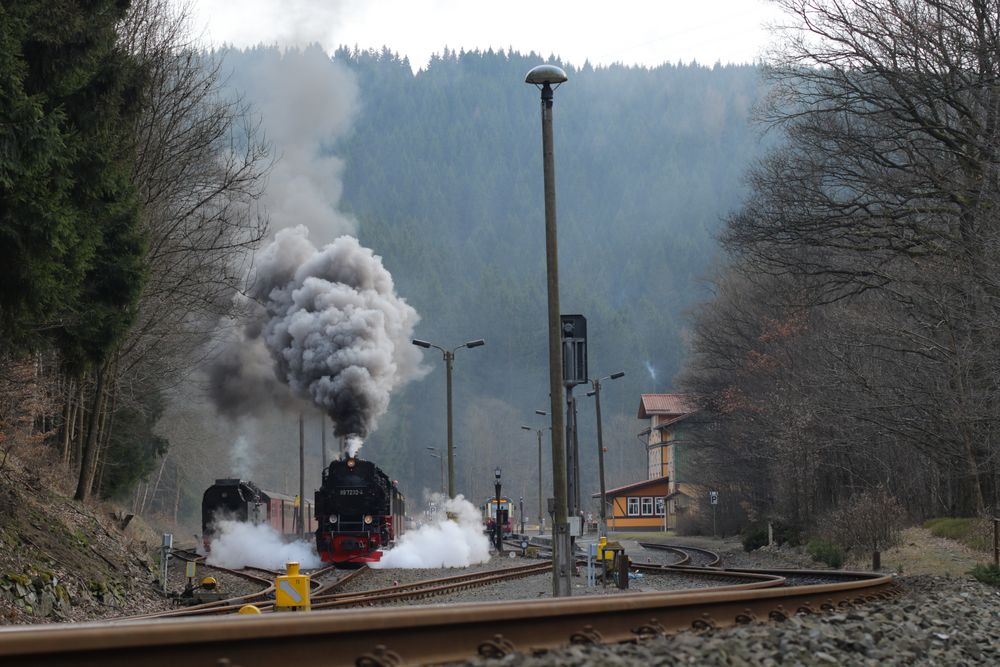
{"x":350,"y":492}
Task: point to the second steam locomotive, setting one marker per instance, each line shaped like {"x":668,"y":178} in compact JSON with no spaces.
{"x":359,"y":511}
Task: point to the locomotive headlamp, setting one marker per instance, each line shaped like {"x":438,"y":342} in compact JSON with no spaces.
{"x":351,"y":463}
{"x":333,"y":518}
{"x":368,"y":518}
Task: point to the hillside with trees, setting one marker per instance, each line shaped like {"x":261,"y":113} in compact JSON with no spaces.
{"x":442,"y":172}
{"x":851,"y":342}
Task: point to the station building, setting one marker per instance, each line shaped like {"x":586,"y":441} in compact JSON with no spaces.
{"x":667,"y":494}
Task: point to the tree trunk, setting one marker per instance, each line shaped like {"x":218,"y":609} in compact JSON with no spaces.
{"x":69,"y":416}
{"x":88,"y":458}
{"x":177,"y":492}
{"x":107,"y":426}
{"x":78,"y":431}
{"x":156,"y":485}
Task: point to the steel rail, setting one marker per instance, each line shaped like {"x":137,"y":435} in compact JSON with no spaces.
{"x":419,"y":634}
{"x":430,"y":587}
{"x":712,"y":557}
{"x":534,"y":568}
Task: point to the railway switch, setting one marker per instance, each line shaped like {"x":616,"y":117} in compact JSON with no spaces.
{"x":291,"y":590}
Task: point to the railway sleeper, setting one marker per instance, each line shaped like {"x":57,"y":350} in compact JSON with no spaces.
{"x":587,"y":636}
{"x":649,"y":630}
{"x":498,"y":647}
{"x":380,"y":657}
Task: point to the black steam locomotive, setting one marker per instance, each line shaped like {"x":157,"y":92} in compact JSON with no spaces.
{"x":359,"y":511}
{"x":242,"y":500}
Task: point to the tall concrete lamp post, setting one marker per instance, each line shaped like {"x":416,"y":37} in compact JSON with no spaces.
{"x":434,"y":454}
{"x":596,"y":393}
{"x":541,"y":500}
{"x":449,"y":361}
{"x":546,"y":78}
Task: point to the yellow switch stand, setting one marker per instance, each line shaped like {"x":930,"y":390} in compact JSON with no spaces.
{"x":291,"y":591}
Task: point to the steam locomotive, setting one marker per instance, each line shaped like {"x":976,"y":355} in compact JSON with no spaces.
{"x":242,"y":500}
{"x":359,"y":511}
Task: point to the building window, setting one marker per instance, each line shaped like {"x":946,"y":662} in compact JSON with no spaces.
{"x":660,"y":505}
{"x":647,"y":506}
{"x":633,"y":507}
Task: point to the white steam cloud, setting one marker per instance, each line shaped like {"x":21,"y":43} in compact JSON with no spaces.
{"x":443,"y":542}
{"x":331,"y":327}
{"x":307,"y":102}
{"x":238,"y":544}
{"x":241,"y":458}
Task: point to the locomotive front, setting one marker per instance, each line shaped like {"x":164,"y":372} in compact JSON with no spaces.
{"x":354,"y":513}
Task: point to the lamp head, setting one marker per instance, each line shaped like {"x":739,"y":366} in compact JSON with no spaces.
{"x":591,"y":393}
{"x":619,"y":374}
{"x":475,"y":343}
{"x":546,"y":74}
{"x":527,"y":428}
{"x":497,"y":473}
{"x":420,"y":343}
{"x":542,"y":413}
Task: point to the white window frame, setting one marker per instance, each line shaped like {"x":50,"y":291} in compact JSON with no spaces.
{"x":647,"y":505}
{"x":632,"y":505}
{"x":660,"y":506}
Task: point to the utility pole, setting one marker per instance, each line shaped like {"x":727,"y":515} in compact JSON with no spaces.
{"x":302,"y":476}
{"x":322,"y":431}
{"x":596,"y":393}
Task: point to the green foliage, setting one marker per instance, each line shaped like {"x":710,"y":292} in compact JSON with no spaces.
{"x":787,"y":534}
{"x":69,"y":242}
{"x":823,"y":551}
{"x":134,"y":450}
{"x":754,"y":537}
{"x":972,"y":532}
{"x":988,"y":574}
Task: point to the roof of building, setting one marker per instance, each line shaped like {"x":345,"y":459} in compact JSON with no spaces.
{"x":664,"y":404}
{"x":633,"y":486}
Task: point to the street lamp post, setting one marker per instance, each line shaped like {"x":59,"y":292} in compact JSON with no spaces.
{"x":497,"y":527}
{"x":437,"y":456}
{"x":541,"y":503}
{"x":449,"y":360}
{"x":520,"y":510}
{"x":596,"y":393}
{"x":544,"y":77}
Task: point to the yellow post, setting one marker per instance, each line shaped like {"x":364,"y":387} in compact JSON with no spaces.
{"x":600,"y":547}
{"x":291,"y":591}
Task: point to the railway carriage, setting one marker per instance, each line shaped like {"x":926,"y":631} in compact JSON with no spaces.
{"x":506,"y":513}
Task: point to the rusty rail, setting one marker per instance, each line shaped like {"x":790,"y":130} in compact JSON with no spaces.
{"x":421,"y":634}
{"x":710,"y":556}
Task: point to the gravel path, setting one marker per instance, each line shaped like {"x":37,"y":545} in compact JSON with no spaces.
{"x":940,"y":621}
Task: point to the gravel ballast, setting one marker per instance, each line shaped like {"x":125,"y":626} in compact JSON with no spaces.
{"x":939,"y":621}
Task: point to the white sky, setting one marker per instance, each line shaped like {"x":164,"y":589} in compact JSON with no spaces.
{"x":647,"y":32}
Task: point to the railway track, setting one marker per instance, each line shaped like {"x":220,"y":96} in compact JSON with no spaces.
{"x":264,"y":577}
{"x":438,"y":633}
{"x":689,"y":556}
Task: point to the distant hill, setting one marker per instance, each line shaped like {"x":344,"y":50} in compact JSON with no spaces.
{"x":443,"y":171}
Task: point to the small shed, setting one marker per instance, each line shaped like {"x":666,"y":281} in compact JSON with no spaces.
{"x":638,"y":507}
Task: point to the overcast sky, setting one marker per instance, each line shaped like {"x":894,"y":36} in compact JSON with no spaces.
{"x":647,"y":32}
